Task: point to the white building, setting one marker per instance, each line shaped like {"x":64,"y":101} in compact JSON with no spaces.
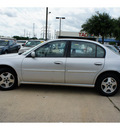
{"x":72,"y":34}
{"x":81,"y":35}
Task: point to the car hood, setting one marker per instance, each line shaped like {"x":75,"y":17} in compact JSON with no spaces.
{"x":25,"y":48}
{"x":6,"y":56}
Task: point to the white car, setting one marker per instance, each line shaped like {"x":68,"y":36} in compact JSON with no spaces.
{"x":28,"y":45}
{"x":21,"y":42}
{"x":68,"y":62}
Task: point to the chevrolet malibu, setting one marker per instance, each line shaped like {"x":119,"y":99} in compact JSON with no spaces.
{"x":71,"y":62}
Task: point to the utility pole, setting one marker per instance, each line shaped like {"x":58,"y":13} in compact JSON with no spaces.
{"x":24,"y":32}
{"x":33,"y":29}
{"x":46,"y":23}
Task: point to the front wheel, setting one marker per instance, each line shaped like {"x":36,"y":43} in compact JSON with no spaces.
{"x":6,"y":52}
{"x":108,"y":84}
{"x":8,"y":79}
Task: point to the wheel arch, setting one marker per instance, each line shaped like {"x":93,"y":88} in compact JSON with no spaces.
{"x":110,"y":72}
{"x":11,"y":68}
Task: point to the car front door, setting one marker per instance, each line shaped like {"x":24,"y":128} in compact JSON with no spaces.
{"x":48,"y":64}
{"x":85,"y":61}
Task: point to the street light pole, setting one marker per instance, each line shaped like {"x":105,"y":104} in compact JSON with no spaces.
{"x":60,"y":28}
{"x":60,"y":24}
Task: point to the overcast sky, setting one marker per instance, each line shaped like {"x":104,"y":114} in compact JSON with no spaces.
{"x":19,"y":20}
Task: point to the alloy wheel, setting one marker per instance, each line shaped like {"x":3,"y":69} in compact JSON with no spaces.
{"x":6,"y":80}
{"x":109,"y":85}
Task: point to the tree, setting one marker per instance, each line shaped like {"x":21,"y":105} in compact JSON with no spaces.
{"x":21,"y":38}
{"x":116,"y":28}
{"x":99,"y":24}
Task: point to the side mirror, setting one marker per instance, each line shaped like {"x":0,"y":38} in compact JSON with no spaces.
{"x":33,"y":54}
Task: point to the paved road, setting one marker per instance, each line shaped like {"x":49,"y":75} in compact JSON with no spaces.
{"x":34,"y":103}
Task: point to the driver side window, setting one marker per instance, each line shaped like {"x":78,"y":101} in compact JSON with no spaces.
{"x":52,"y":49}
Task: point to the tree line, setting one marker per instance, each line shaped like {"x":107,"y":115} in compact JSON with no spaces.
{"x":26,"y":38}
{"x":102,"y":24}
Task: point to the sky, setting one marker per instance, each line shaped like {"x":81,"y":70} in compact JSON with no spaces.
{"x":21,"y":19}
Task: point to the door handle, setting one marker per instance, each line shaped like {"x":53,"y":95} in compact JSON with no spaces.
{"x":58,"y":62}
{"x":98,"y":63}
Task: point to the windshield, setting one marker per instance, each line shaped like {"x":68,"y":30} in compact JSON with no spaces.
{"x":32,"y":43}
{"x":3,"y":43}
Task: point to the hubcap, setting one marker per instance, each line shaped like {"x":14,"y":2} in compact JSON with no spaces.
{"x":6,"y":80}
{"x":109,"y":85}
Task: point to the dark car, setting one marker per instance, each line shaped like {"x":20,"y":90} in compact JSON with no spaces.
{"x":8,"y":46}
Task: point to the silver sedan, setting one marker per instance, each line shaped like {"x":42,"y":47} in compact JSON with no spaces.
{"x":68,"y":62}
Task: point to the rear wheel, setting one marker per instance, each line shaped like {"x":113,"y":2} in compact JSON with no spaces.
{"x":8,"y":79}
{"x":108,"y":84}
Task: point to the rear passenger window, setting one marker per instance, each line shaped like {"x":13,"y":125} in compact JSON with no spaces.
{"x":86,"y":50}
{"x":83,"y":49}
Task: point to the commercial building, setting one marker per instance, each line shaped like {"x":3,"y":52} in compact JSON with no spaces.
{"x":84,"y":35}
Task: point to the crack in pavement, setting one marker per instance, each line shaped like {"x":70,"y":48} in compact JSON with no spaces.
{"x":114,"y":104}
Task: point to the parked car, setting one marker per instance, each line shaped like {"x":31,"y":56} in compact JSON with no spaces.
{"x":28,"y":45}
{"x":21,"y":42}
{"x":8,"y":46}
{"x":68,"y":62}
{"x":117,"y":47}
{"x":113,"y":48}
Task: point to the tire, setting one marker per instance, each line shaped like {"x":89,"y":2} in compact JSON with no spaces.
{"x":6,"y":52}
{"x":8,"y":79}
{"x":108,"y":84}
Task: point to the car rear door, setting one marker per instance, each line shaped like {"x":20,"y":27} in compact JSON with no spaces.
{"x":84,"y":62}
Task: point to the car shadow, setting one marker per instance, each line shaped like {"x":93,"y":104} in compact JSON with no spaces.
{"x":57,"y":89}
{"x":60,"y":89}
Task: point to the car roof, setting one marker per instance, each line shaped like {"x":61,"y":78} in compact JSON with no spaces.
{"x":71,"y":39}
{"x":35,"y":40}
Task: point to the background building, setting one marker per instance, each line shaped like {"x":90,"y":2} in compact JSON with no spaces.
{"x":84,"y":35}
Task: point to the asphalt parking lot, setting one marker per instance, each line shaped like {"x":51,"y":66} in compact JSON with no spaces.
{"x":35,"y":103}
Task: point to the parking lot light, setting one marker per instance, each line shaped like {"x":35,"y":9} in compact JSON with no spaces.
{"x":60,"y":24}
